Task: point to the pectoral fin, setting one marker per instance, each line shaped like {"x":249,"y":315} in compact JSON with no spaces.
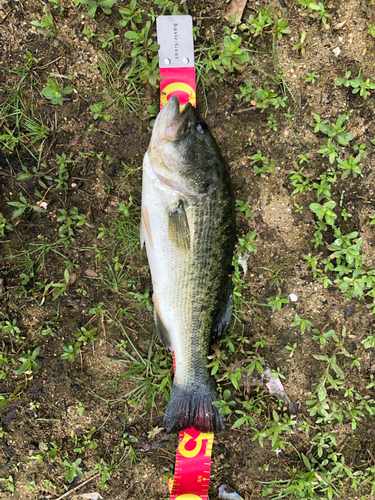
{"x":178,"y":227}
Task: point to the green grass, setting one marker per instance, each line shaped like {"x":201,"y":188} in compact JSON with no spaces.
{"x":23,"y":133}
{"x":150,"y":375}
{"x":122,"y":90}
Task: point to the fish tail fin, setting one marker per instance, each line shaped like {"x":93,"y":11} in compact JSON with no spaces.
{"x":192,"y":407}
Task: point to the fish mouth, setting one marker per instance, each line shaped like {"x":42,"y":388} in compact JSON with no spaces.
{"x":172,"y":123}
{"x":171,"y":126}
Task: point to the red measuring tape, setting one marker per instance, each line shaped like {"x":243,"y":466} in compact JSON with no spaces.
{"x":176,"y":63}
{"x":193,"y":466}
{"x":179,"y":82}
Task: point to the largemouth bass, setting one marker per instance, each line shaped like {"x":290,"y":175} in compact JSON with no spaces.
{"x":188,"y":226}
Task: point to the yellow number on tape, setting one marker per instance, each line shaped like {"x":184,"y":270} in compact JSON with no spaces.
{"x":198,"y":445}
{"x":188,"y":496}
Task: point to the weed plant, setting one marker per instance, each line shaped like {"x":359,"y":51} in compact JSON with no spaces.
{"x":345,"y":258}
{"x":22,"y":131}
{"x":94,"y":5}
{"x":358,"y":84}
{"x":315,"y":10}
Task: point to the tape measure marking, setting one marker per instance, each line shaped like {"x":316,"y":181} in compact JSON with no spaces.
{"x":193,"y":466}
{"x":180,"y":82}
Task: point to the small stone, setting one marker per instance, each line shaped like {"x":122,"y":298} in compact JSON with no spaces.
{"x":349,"y":310}
{"x":339,"y":25}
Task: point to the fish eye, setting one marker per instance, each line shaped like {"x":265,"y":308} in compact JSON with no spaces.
{"x":201,"y":127}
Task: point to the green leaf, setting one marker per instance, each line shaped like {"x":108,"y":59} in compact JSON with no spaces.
{"x":26,"y":366}
{"x":320,"y":357}
{"x":313,"y":6}
{"x":35,"y":353}
{"x":338,"y":371}
{"x":340,"y":120}
{"x":92,"y":9}
{"x":38,"y":209}
{"x":344,"y":139}
{"x":330,"y":218}
{"x":131,"y":35}
{"x":18,"y":212}
{"x":234,"y":380}
{"x":226,"y":394}
{"x":330,"y":333}
{"x":70,"y":475}
{"x":154,"y":47}
{"x":354,"y":83}
{"x":327,"y":129}
{"x":107,"y":3}
{"x":238,"y":422}
{"x":242,"y":58}
{"x":48,"y":92}
{"x":306,"y":461}
{"x":15,"y":203}
{"x":322,"y":393}
{"x":315,"y":207}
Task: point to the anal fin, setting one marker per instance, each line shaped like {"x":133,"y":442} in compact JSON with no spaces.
{"x":161,"y":329}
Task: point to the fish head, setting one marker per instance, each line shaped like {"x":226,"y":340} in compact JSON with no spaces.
{"x":183,"y":153}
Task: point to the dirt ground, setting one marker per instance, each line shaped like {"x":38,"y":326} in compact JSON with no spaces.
{"x":84,"y":410}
